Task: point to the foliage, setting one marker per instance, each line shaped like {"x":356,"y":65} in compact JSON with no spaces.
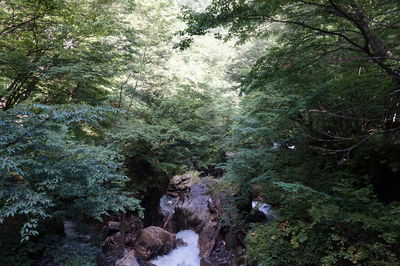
{"x":318,"y":130}
{"x":54,"y":160}
{"x":53,"y":248}
{"x":45,"y":172}
{"x":58,"y":51}
{"x":175,"y":119}
{"x":75,"y":253}
{"x":67,"y":161}
{"x":143,"y":71}
{"x":174,"y":134}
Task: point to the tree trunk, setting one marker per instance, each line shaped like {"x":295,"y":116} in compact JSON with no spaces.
{"x":122,"y":229}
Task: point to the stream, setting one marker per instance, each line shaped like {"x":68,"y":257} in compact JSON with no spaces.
{"x":186,"y":206}
{"x":182,"y":256}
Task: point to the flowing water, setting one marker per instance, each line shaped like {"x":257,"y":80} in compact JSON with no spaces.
{"x":265,"y":208}
{"x":182,"y":256}
{"x":262,"y":207}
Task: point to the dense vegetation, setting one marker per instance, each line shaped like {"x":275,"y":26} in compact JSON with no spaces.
{"x":96,"y":116}
{"x":318,"y":131}
{"x":99,"y":108}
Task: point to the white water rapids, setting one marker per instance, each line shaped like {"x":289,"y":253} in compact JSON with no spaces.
{"x":182,"y":256}
{"x":262,"y":207}
{"x":265,"y":208}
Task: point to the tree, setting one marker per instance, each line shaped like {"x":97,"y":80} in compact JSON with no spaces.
{"x":143,"y":72}
{"x":319,"y":128}
{"x":175,"y":119}
{"x":46,"y":173}
{"x":57,"y":51}
{"x":358,"y":26}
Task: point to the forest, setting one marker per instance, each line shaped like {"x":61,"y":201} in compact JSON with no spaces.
{"x":199,"y":132}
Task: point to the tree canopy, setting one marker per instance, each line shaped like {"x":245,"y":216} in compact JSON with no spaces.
{"x":318,"y":127}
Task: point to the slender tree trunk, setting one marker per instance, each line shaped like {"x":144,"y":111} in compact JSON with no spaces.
{"x":137,"y":78}
{"x":122,"y":229}
{"x":121,"y":90}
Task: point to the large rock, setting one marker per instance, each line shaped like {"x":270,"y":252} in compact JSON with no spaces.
{"x":154,"y":241}
{"x":181,"y":184}
{"x":111,"y":246}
